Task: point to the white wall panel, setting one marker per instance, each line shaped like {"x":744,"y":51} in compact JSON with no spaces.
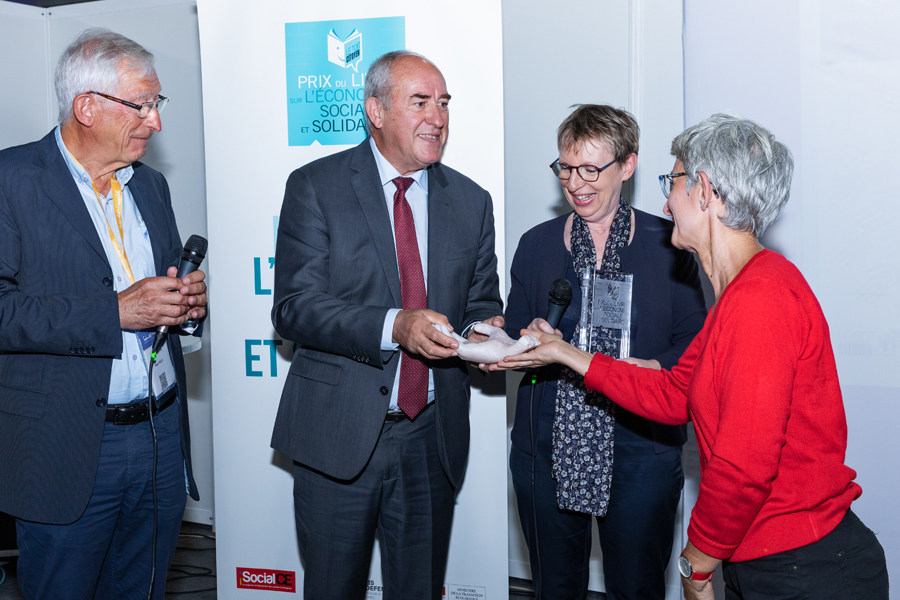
{"x":24,"y":99}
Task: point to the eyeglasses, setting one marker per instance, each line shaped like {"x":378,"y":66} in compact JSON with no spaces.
{"x":144,"y":109}
{"x":666,"y":181}
{"x":588,"y":173}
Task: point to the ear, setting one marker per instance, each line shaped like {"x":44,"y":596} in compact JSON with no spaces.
{"x":375,"y":112}
{"x":83,"y":108}
{"x":629,"y":166}
{"x":707,"y":195}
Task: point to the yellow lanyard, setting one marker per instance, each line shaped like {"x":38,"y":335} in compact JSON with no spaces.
{"x":117,"y":207}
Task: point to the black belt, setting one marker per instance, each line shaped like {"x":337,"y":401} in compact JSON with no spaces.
{"x":138,"y":412}
{"x":395,"y":415}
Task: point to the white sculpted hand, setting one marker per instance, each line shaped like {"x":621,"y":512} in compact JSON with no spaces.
{"x":497,"y":346}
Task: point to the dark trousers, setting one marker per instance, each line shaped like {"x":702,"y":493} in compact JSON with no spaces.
{"x":847,"y":564}
{"x":635,"y":535}
{"x":402,"y":493}
{"x":106,"y":553}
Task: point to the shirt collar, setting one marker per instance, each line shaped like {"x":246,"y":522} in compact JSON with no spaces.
{"x":123,"y":175}
{"x":387,"y":172}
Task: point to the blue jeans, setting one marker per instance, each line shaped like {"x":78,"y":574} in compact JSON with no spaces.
{"x":105,"y":554}
{"x":847,"y":564}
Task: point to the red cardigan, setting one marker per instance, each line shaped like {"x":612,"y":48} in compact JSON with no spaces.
{"x":760,"y":384}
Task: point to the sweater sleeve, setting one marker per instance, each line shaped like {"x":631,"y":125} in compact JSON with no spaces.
{"x":759,"y":338}
{"x":660,"y":396}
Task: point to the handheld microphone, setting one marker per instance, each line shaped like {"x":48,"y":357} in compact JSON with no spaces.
{"x":193,"y":254}
{"x":560,"y":296}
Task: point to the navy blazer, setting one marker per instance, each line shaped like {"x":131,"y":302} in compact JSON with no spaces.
{"x":336,"y":276}
{"x":667,"y":305}
{"x":59,"y":330}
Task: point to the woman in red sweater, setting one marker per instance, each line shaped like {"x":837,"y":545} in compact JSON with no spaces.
{"x":759,"y":383}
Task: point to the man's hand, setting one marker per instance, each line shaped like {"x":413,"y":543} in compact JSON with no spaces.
{"x":414,"y":332}
{"x":156,"y":301}
{"x":194,"y":288}
{"x":497,"y":321}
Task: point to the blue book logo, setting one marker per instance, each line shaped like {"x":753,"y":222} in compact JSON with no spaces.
{"x":326,"y":75}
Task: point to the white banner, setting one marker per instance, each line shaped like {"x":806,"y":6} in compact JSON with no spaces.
{"x":282,"y":86}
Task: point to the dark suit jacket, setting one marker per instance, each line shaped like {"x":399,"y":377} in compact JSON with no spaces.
{"x":336,"y":276}
{"x":59,"y":330}
{"x":667,"y":307}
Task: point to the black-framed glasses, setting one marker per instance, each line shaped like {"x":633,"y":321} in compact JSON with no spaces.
{"x":144,"y":109}
{"x":589,"y":173}
{"x":666,"y":181}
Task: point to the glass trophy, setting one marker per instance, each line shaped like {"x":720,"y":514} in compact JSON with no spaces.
{"x":606,"y":302}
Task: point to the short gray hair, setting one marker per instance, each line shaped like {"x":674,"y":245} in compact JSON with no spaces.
{"x":379,"y":84}
{"x":749,"y":169}
{"x":94,"y":61}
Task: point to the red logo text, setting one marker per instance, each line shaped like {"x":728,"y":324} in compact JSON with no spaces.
{"x":267,"y":579}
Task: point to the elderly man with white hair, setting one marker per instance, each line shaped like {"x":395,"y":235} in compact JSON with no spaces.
{"x":94,"y":458}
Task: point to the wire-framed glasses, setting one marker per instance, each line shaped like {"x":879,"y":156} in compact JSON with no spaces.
{"x":666,"y":181}
{"x":588,"y":173}
{"x":144,"y":109}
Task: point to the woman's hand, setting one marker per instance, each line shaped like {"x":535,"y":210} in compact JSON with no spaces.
{"x":553,"y":349}
{"x":701,"y":563}
{"x":542,"y":326}
{"x":698,"y":590}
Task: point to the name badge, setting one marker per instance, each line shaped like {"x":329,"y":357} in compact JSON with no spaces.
{"x":164,"y":378}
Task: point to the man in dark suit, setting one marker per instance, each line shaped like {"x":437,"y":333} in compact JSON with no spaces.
{"x":88,"y":248}
{"x":377,"y":244}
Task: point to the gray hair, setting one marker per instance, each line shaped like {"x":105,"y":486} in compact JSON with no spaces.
{"x":379,"y":84}
{"x":94,"y":61}
{"x":749,"y":169}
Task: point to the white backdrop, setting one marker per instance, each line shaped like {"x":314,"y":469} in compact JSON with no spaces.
{"x":248,"y":160}
{"x":824,"y":77}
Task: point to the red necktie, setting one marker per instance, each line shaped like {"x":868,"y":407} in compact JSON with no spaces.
{"x":412,"y":395}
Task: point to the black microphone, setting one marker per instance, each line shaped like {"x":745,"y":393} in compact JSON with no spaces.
{"x":560,"y":296}
{"x":193,"y":254}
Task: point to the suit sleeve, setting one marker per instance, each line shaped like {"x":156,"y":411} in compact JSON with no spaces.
{"x":52,"y":323}
{"x":305,"y":310}
{"x":484,"y":301}
{"x":518,"y":304}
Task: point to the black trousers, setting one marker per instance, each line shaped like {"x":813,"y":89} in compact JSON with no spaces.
{"x":403,"y":494}
{"x":847,"y":564}
{"x":635,"y":535}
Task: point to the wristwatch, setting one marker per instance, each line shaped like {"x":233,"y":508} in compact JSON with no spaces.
{"x":687,"y":571}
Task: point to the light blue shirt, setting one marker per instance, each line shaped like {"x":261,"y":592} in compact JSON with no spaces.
{"x":128,"y":380}
{"x":417,"y":196}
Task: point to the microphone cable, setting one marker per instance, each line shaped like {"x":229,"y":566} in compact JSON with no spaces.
{"x":150,"y":407}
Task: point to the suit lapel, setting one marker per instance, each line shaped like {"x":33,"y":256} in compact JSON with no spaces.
{"x":57,"y":183}
{"x":367,"y":185}
{"x":142,"y":198}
